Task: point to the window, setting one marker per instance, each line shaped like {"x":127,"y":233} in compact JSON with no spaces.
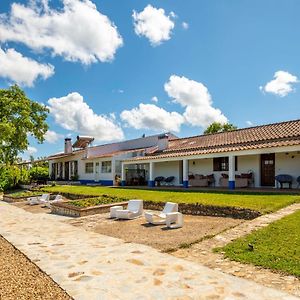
{"x":106,"y":167}
{"x":222,"y":164}
{"x":89,"y":168}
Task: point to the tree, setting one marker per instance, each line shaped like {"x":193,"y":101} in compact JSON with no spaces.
{"x":216,"y":127}
{"x":19,"y":118}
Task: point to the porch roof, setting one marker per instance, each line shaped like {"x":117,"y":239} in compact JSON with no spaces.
{"x":258,"y":137}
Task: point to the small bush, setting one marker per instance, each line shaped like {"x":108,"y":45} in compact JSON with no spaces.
{"x":9,"y":177}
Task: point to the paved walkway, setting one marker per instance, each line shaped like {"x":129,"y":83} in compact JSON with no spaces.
{"x":203,"y":253}
{"x":93,"y":266}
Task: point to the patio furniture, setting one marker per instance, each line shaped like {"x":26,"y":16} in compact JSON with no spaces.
{"x":158,"y":180}
{"x":298,"y":181}
{"x":169,"y":180}
{"x":113,"y":211}
{"x":38,"y":199}
{"x":284,"y":178}
{"x":134,"y":210}
{"x":58,"y":198}
{"x":198,"y":180}
{"x":174,"y":220}
{"x":160,"y":218}
{"x":240,"y":182}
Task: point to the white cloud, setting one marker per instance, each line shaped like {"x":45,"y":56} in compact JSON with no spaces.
{"x":185,"y":25}
{"x":249,"y":123}
{"x":154,"y":99}
{"x":72,"y":113}
{"x":22,"y":70}
{"x":52,"y":137}
{"x":150,"y":116}
{"x":154,"y":24}
{"x":31,"y":150}
{"x":78,"y":32}
{"x":281,"y":85}
{"x":196,"y":99}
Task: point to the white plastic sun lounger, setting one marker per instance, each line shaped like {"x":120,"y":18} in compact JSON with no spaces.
{"x":134,"y":210}
{"x":38,"y":199}
{"x":160,"y":218}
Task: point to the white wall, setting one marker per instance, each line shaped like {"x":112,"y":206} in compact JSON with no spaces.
{"x":166,"y":169}
{"x":94,"y":176}
{"x":288,"y":164}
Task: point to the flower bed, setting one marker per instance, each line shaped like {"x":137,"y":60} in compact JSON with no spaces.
{"x":20,"y":196}
{"x":89,"y":202}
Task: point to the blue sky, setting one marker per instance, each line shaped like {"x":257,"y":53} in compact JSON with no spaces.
{"x":221,"y":66}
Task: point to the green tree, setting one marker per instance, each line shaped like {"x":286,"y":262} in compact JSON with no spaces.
{"x":216,"y":127}
{"x":19,"y":118}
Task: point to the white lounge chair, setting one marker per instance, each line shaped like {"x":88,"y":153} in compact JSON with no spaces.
{"x":134,"y":210}
{"x":58,"y":198}
{"x":38,"y":199}
{"x":160,"y":218}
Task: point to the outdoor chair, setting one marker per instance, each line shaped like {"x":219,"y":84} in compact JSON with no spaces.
{"x":38,"y":199}
{"x":284,"y":178}
{"x":158,"y":180}
{"x":134,"y":210}
{"x":58,"y":198}
{"x":160,"y":218}
{"x":169,"y":180}
{"x":174,"y":220}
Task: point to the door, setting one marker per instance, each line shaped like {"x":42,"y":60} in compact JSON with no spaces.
{"x":267,"y":169}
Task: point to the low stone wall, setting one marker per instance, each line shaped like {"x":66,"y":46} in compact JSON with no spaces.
{"x":66,"y":209}
{"x":208,"y":210}
{"x":8,"y":199}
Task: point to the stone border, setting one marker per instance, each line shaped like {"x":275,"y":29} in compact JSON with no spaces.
{"x":208,"y":210}
{"x":66,"y":209}
{"x":8,"y":199}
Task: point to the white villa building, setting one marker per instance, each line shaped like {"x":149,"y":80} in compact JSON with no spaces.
{"x":249,"y":157}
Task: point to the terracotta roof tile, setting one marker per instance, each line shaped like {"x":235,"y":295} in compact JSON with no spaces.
{"x":265,"y":136}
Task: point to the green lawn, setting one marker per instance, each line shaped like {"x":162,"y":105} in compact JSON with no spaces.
{"x":276,"y":247}
{"x":263,"y":203}
{"x":18,"y":194}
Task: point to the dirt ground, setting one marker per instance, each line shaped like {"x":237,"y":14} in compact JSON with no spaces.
{"x":35,"y":209}
{"x":138,"y":231}
{"x":21,"y":279}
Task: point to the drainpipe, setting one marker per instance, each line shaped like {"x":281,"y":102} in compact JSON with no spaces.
{"x":231,"y":173}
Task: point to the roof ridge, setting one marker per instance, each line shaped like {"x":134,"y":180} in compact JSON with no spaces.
{"x":231,"y":145}
{"x":236,"y":130}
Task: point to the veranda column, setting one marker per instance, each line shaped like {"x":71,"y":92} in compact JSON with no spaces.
{"x":113,"y":170}
{"x":185,"y":175}
{"x":231,"y":173}
{"x":151,"y":182}
{"x":123,"y":175}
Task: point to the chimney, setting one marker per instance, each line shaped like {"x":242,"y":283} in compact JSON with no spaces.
{"x":163,"y":142}
{"x":68,"y":146}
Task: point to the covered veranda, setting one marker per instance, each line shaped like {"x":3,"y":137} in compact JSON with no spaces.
{"x":229,"y":170}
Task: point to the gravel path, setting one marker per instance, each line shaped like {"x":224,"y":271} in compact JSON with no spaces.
{"x":21,"y":279}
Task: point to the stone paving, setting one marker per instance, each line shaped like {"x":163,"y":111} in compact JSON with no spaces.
{"x":202,"y":253}
{"x":93,"y":266}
